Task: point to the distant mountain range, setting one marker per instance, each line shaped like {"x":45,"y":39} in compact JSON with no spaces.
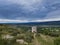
{"x":37,"y":23}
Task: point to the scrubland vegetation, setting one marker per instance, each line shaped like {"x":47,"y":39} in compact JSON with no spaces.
{"x":21,"y":35}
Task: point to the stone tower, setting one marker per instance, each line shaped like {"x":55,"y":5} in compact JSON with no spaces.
{"x":34,"y":29}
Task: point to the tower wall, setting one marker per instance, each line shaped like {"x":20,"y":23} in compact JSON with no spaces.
{"x":34,"y":29}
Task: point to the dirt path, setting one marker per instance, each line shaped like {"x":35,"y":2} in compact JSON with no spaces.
{"x":43,"y":40}
{"x":36,"y":42}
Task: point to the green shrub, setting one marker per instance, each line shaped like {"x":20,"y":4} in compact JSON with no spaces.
{"x":57,"y":41}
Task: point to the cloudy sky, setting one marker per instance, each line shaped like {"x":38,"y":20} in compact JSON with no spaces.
{"x":29,"y":10}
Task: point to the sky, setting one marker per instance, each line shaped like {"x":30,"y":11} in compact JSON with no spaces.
{"x":29,"y":10}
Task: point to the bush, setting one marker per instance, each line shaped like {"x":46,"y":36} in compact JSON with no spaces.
{"x":57,"y":41}
{"x":54,"y":34}
{"x":28,"y":38}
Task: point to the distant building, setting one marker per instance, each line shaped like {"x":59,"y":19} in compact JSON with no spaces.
{"x":34,"y":29}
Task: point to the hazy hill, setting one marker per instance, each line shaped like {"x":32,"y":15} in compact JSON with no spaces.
{"x":36,"y":23}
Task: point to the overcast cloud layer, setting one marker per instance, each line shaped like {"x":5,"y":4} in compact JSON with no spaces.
{"x":29,"y":10}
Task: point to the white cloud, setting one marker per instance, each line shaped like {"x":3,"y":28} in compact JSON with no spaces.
{"x":46,"y":20}
{"x":26,"y":21}
{"x":12,"y":21}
